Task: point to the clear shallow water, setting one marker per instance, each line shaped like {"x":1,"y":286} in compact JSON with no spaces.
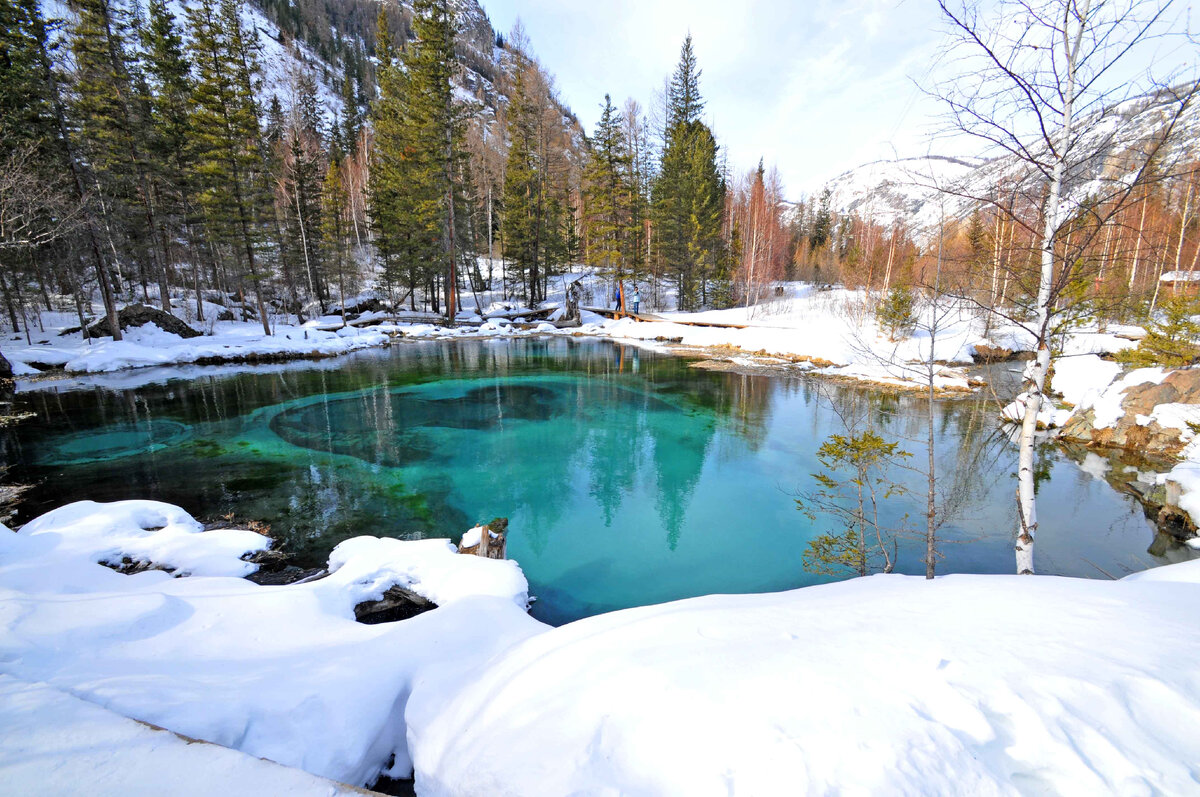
{"x":629,"y":478}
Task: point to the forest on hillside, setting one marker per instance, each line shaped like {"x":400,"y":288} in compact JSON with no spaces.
{"x":145,"y":162}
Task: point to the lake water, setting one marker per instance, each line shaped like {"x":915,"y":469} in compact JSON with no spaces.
{"x":628,"y":477}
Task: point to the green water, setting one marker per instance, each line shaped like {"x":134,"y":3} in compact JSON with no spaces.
{"x":629,"y":478}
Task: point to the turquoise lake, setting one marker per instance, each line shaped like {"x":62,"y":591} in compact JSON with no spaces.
{"x":629,"y":477}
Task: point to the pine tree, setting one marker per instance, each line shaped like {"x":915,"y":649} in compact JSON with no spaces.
{"x":225,"y":136}
{"x":112,"y":126}
{"x":440,"y":130}
{"x":333,"y":226}
{"x":418,"y":181}
{"x":521,"y":217}
{"x":169,"y":75}
{"x":395,"y":187}
{"x":26,"y":111}
{"x":688,"y":197}
{"x":66,"y":152}
{"x":608,"y":199}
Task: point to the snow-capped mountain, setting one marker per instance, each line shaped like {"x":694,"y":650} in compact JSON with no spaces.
{"x":891,"y":191}
{"x":917,"y":191}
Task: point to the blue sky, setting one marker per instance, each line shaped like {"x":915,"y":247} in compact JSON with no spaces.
{"x":815,"y":87}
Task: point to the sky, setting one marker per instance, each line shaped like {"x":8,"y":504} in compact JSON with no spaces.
{"x":815,"y":87}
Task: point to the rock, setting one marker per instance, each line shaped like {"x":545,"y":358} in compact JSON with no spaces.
{"x":289,"y":574}
{"x":135,"y":315}
{"x":1150,"y":439}
{"x":397,"y":603}
{"x":998,"y":354}
{"x":369,"y":304}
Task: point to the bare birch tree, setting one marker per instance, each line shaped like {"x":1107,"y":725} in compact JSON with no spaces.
{"x":1042,"y":81}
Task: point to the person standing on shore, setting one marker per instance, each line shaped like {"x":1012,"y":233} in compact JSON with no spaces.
{"x":637,"y":298}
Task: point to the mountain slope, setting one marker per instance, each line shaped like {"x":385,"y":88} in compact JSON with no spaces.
{"x":914,"y":191}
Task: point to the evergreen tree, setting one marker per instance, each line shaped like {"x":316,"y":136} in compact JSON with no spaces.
{"x":689,"y":195}
{"x":418,"y":181}
{"x":26,"y":111}
{"x":608,"y":199}
{"x":333,"y":226}
{"x":521,"y":219}
{"x":169,"y":76}
{"x":395,"y":186}
{"x":226,"y":137}
{"x":352,"y":121}
{"x":112,"y":125}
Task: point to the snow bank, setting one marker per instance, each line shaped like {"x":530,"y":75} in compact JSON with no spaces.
{"x":279,"y":672}
{"x":53,"y":744}
{"x":967,"y":684}
{"x":147,"y":532}
{"x":148,"y":345}
{"x":1106,"y":404}
{"x":1083,"y":378}
{"x":431,"y":568}
{"x":1049,"y":416}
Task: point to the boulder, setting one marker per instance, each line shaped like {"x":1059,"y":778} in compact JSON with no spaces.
{"x":984,"y":353}
{"x":135,"y":315}
{"x":1135,"y":430}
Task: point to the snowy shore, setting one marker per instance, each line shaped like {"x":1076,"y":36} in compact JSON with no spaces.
{"x":987,"y":684}
{"x":829,"y":332}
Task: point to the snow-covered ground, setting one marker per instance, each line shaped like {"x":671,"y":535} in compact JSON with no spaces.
{"x":54,"y":744}
{"x":966,"y":684}
{"x":889,"y":684}
{"x":279,"y":672}
{"x":832,"y":332}
{"x":150,"y":346}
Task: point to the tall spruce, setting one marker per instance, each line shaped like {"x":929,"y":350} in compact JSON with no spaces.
{"x":608,"y":199}
{"x":226,"y":138}
{"x":688,"y":196}
{"x":111,"y":116}
{"x":417,"y":183}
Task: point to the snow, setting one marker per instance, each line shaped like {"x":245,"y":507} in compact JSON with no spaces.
{"x":980,"y":684}
{"x":148,"y":345}
{"x":1049,"y":416}
{"x":431,"y":568}
{"x":278,"y":672}
{"x":145,"y":531}
{"x":1083,"y":378}
{"x":53,"y":743}
{"x":833,"y":329}
{"x":1106,"y":404}
{"x":1180,"y":276}
{"x":890,"y":684}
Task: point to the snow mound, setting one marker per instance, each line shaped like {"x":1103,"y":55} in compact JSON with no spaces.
{"x":1106,"y":404}
{"x":1081,"y":379}
{"x":279,"y":672}
{"x":53,"y":743}
{"x":149,"y":532}
{"x":966,"y":685}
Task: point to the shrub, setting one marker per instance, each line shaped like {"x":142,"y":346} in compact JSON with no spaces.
{"x":897,"y":314}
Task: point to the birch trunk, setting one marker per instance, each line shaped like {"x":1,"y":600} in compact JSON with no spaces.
{"x":1035,"y":380}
